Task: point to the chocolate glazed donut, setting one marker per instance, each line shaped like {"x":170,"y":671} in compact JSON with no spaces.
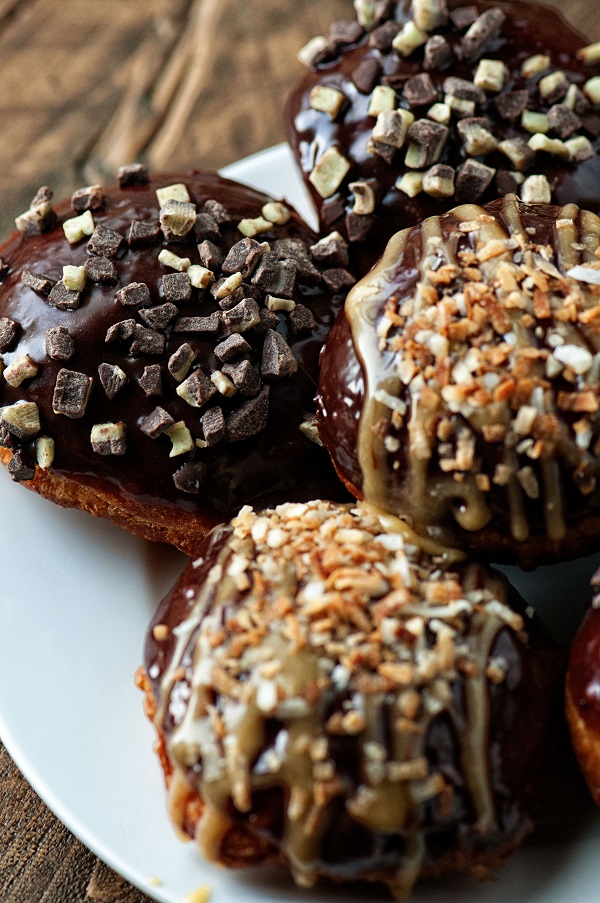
{"x":326,"y":695}
{"x":165,"y":393}
{"x":416,"y":107}
{"x":460,"y":387}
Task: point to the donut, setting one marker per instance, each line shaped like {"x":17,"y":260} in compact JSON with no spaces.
{"x":159,"y":347}
{"x":414,"y":107}
{"x":460,"y":384}
{"x":329,"y":696}
{"x":583,"y":694}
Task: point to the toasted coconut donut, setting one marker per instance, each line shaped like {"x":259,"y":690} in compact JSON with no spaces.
{"x":325,"y":694}
{"x":414,"y":107}
{"x":460,"y":387}
{"x":159,"y":346}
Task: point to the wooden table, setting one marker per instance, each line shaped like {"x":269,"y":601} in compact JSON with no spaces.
{"x":84,"y":87}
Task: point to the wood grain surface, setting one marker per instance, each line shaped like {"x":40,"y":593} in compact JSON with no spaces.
{"x":84,"y":87}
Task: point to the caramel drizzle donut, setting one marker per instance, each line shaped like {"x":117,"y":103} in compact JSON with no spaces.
{"x":312,"y":624}
{"x":479,"y":349}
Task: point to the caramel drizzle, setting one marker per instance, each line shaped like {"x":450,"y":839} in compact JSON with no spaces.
{"x":426,"y":497}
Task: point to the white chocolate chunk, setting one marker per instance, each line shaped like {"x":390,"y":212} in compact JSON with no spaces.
{"x":310,"y":50}
{"x":180,"y":437}
{"x":177,"y":192}
{"x":535,"y":64}
{"x":74,"y":278}
{"x":108,"y":438}
{"x":199,"y":276}
{"x":390,"y":129}
{"x":429,"y":14}
{"x":364,"y":198}
{"x":592,"y":89}
{"x":251,"y":227}
{"x":168,"y":259}
{"x":365,"y":12}
{"x":580,"y":148}
{"x":276,"y":212}
{"x":438,"y":182}
{"x":329,"y":172}
{"x":79,"y":227}
{"x":223,"y":384}
{"x":21,"y":369}
{"x":553,"y":146}
{"x":459,"y":105}
{"x":536,"y":190}
{"x":411,"y":184}
{"x":44,"y":451}
{"x":535,"y":122}
{"x":490,"y":75}
{"x":409,"y":38}
{"x":440,"y":112}
{"x":382,"y":99}
{"x":327,"y":100}
{"x":228,"y":286}
{"x":273,"y":303}
{"x":590,"y":54}
{"x":24,"y":417}
{"x":556,"y":82}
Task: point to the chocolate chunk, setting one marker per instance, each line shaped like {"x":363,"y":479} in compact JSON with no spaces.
{"x":6,"y":440}
{"x":134,"y":294}
{"x":142,"y":234}
{"x":382,"y":36}
{"x":268,"y":319}
{"x":331,"y":251}
{"x":591,"y":123}
{"x":301,"y":320}
{"x":147,"y":341}
{"x":151,"y":380}
{"x":177,"y":287}
{"x":197,"y":389}
{"x":277,"y":357}
{"x":276,"y":277}
{"x":366,"y":75}
{"x":102,"y":270}
{"x":338,"y":280}
{"x":245,"y":290}
{"x":121,"y":331}
{"x":190,"y":477}
{"x":578,"y":100}
{"x":209,"y":325}
{"x":428,"y":140}
{"x":244,"y":377}
{"x":109,"y":438}
{"x":156,"y":423}
{"x":211,"y":256}
{"x":297,"y":250}
{"x":59,"y":344}
{"x":207,"y":228}
{"x":180,"y":361}
{"x":112,"y":379}
{"x":563,"y":121}
{"x":438,"y":53}
{"x":43,"y":285}
{"x":359,"y":227}
{"x":332,"y":210}
{"x":420,"y":90}
{"x":64,"y":299}
{"x":133,"y":174}
{"x":387,"y":152}
{"x":232,"y":346}
{"x":242,"y":317}
{"x":8,"y":330}
{"x":4,"y":269}
{"x":40,"y":217}
{"x":463,"y":89}
{"x":511,"y":104}
{"x":90,"y":198}
{"x":215,"y":209}
{"x":20,"y":467}
{"x":105,"y":242}
{"x":213,"y":426}
{"x":344,"y":32}
{"x":506,"y":183}
{"x":249,"y":419}
{"x":71,"y":393}
{"x":472,"y":181}
{"x":485,"y":27}
{"x":243,"y":257}
{"x":159,"y":317}
{"x":463,"y":17}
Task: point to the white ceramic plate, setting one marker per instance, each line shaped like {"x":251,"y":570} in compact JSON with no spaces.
{"x":75,"y":598}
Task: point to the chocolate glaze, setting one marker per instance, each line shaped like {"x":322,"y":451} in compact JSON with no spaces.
{"x":519,"y":737}
{"x":341,"y":403}
{"x":584,"y":670}
{"x":529,"y":29}
{"x":277,"y":464}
